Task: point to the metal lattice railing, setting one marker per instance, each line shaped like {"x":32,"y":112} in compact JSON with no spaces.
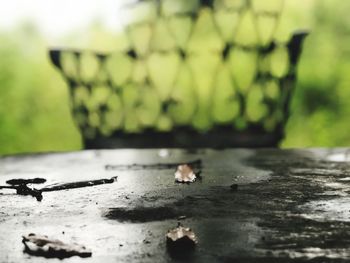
{"x":197,"y":73}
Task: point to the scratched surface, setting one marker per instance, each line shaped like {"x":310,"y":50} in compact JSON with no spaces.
{"x":289,"y":206}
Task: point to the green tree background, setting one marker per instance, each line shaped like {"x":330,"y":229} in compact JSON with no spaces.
{"x":34,"y":109}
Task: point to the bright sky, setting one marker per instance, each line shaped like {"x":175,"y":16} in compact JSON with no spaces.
{"x":57,"y":17}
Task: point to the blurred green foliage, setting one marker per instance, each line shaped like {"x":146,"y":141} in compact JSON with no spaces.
{"x":33,"y":112}
{"x":34,"y":99}
{"x":321,"y":101}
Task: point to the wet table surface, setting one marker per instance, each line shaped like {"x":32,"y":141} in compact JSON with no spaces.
{"x":289,"y":205}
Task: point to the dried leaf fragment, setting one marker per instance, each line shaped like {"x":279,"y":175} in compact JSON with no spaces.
{"x":38,"y":245}
{"x":181,"y":239}
{"x":185,"y":174}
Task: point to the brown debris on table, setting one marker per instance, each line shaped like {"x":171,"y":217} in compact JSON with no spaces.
{"x":43,"y":246}
{"x":181,"y":241}
{"x":185,"y":174}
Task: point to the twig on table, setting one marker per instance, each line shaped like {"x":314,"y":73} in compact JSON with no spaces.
{"x":80,"y":184}
{"x":24,"y":189}
{"x":155,"y":166}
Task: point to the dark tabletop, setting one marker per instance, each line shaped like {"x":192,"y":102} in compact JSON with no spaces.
{"x":284,"y":205}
